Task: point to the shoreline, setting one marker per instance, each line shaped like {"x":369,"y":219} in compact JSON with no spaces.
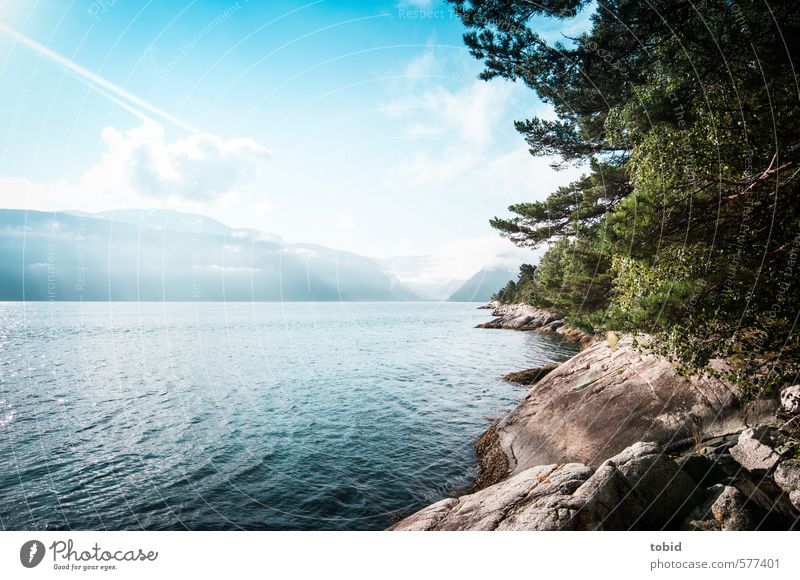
{"x":525,"y":318}
{"x":613,"y":438}
{"x":492,"y":460}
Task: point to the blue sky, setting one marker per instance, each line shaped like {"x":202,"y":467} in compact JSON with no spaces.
{"x":356,"y":125}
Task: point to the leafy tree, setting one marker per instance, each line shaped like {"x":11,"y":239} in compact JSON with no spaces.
{"x":686,"y":224}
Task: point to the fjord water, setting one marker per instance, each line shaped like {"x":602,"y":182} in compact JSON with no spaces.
{"x":245,"y":415}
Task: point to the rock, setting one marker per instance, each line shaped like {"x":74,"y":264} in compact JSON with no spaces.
{"x":575,"y":335}
{"x":772,"y":507}
{"x":519,"y":322}
{"x":486,"y":509}
{"x":491,"y":305}
{"x":787,"y":476}
{"x":790,"y":399}
{"x":601,"y":401}
{"x":640,"y":488}
{"x":743,"y":504}
{"x":529,"y":376}
{"x":700,"y":517}
{"x":552,"y":326}
{"x":518,"y":317}
{"x":525,"y":317}
{"x":755,"y":450}
{"x":729,"y":510}
{"x":496,"y":323}
{"x":718,"y":446}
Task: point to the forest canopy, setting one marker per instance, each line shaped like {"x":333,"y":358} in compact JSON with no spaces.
{"x":685,"y":226}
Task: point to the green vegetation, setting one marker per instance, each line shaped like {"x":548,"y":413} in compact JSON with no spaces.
{"x":686,"y":225}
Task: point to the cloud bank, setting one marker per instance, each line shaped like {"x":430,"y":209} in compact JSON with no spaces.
{"x":141,"y":165}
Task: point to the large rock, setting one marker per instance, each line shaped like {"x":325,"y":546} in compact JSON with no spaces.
{"x":601,"y":401}
{"x":534,"y":489}
{"x":730,"y":511}
{"x":743,"y":502}
{"x":640,"y":488}
{"x":552,"y":326}
{"x":529,"y":377}
{"x":787,"y":476}
{"x":755,"y":450}
{"x":519,"y":317}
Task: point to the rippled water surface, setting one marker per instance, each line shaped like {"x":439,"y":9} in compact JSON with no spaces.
{"x":254,"y":416}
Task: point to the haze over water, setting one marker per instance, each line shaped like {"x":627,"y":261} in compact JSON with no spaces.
{"x":245,"y":415}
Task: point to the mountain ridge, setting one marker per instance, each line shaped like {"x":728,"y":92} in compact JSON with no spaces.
{"x":81,"y":256}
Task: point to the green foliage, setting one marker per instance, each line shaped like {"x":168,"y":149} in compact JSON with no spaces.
{"x":686,"y":225}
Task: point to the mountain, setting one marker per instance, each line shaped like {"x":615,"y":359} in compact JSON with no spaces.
{"x":420,"y":273}
{"x":177,"y":221}
{"x":166,"y":255}
{"x":481,"y":286}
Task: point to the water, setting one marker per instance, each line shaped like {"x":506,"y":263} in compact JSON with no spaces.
{"x":245,"y":416}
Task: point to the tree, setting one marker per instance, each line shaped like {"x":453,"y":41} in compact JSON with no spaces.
{"x":686,"y":223}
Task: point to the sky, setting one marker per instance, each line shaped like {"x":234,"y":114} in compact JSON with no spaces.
{"x":359,"y":126}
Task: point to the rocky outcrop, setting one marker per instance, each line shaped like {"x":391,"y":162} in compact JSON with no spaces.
{"x":602,"y":400}
{"x":519,"y":317}
{"x":684,"y":454}
{"x":724,"y":508}
{"x":527,"y":318}
{"x":640,"y":488}
{"x":529,"y":377}
{"x":787,"y":477}
{"x":747,"y":486}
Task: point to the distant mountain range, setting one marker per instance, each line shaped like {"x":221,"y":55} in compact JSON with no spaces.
{"x":481,"y":286}
{"x":167,"y":255}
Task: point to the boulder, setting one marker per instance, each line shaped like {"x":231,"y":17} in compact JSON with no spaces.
{"x":518,"y":317}
{"x":575,"y":335}
{"x":529,"y":376}
{"x":518,"y":322}
{"x":486,"y":509}
{"x":787,"y":476}
{"x":755,"y":450}
{"x":640,"y":488}
{"x":724,"y":508}
{"x":552,"y":326}
{"x":729,"y":509}
{"x":601,"y":401}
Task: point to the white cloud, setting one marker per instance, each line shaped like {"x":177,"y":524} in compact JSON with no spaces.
{"x":469,"y":114}
{"x":423,"y":66}
{"x":140,"y":165}
{"x":463,"y":258}
{"x":467,"y":141}
{"x":200,"y":167}
{"x":513,"y":174}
